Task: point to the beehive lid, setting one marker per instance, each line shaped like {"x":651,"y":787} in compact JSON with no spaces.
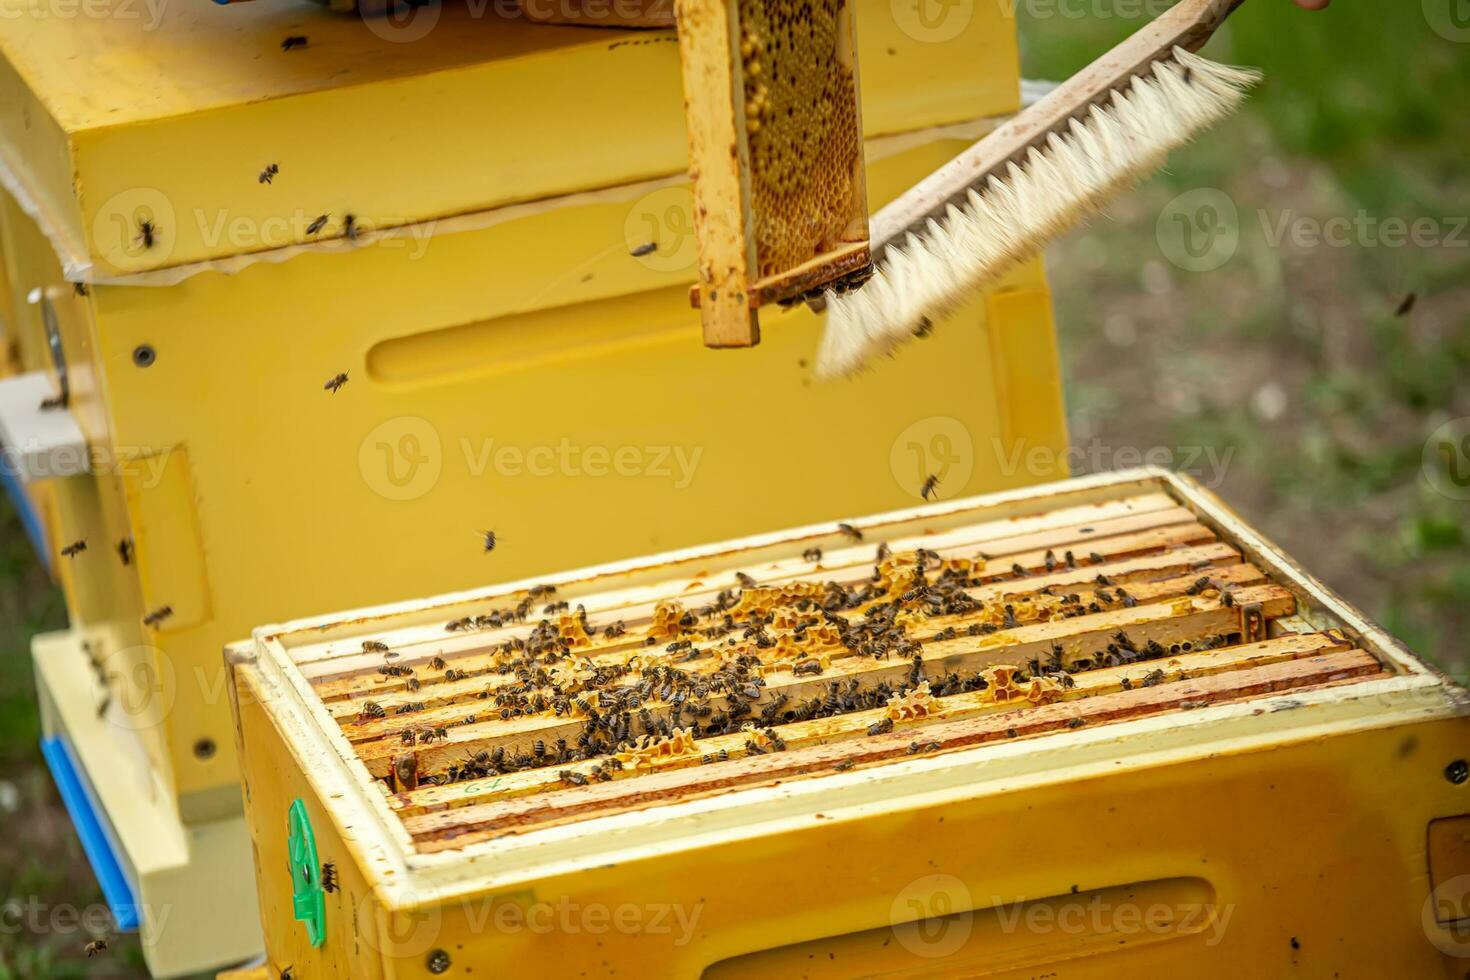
{"x":172,"y":113}
{"x":795,"y":666}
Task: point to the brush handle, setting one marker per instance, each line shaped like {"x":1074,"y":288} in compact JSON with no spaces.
{"x":1188,"y":24}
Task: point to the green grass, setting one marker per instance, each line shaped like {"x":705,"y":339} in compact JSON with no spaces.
{"x":1361,"y":111}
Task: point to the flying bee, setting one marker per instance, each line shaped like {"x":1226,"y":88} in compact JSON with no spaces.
{"x":1406,"y":304}
{"x":370,"y":709}
{"x":849,"y":531}
{"x":147,"y":232}
{"x":317,"y":225}
{"x":74,"y":549}
{"x":95,"y":948}
{"x":294,"y":41}
{"x":883,"y":552}
{"x":125,"y":550}
{"x":487,"y":538}
{"x":329,"y":877}
{"x":745,"y":581}
{"x":930,"y":483}
{"x":812,"y":554}
{"x":53,"y":403}
{"x":337,"y":382}
{"x":349,"y":227}
{"x":157,"y":616}
{"x":80,"y":288}
{"x":269,"y":173}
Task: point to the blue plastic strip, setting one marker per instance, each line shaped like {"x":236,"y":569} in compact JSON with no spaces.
{"x":29,"y":519}
{"x":115,"y":886}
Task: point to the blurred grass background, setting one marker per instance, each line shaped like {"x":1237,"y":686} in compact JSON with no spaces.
{"x":1288,"y":362}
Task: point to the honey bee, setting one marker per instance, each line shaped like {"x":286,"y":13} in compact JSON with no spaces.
{"x":572,"y":778}
{"x":1153,"y":677}
{"x":336,"y":383}
{"x":95,"y":948}
{"x":812,"y":554}
{"x":157,"y":616}
{"x":125,"y":550}
{"x":317,"y":225}
{"x":147,"y":232}
{"x":374,"y":646}
{"x":1406,"y":304}
{"x":413,"y":684}
{"x":454,"y":675}
{"x":437,"y":663}
{"x":1076,"y":722}
{"x":79,"y":288}
{"x":1200,"y":584}
{"x":407,"y":737}
{"x":370,"y":709}
{"x":849,"y":531}
{"x":74,"y":549}
{"x":329,"y":877}
{"x":1095,"y":558}
{"x":349,"y":227}
{"x":1227,"y":598}
{"x":844,"y":765}
{"x":489,"y":540}
{"x":881,"y":727}
{"x":746,"y":582}
{"x":55,"y":402}
{"x":293,"y":41}
{"x":269,"y":173}
{"x":930,"y":483}
{"x":615,"y":630}
{"x":883,"y":552}
{"x":437,"y":734}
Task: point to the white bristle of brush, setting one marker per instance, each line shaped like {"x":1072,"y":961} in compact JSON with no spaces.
{"x":934,"y":273}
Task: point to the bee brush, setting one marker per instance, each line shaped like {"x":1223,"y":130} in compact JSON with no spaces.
{"x":1031,"y":179}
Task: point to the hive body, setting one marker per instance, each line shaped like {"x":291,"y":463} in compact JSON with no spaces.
{"x":980,"y":815}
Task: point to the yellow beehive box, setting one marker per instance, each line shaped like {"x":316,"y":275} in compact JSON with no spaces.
{"x":483,"y":223}
{"x":1087,"y":729}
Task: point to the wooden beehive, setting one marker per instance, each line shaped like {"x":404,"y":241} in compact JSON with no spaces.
{"x":587,"y":734}
{"x":772,"y":107}
{"x":555,"y":703}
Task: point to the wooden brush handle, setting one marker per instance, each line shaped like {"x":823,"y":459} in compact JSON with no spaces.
{"x":1188,"y":25}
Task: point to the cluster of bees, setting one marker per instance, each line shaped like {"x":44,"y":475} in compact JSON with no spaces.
{"x":740,"y":636}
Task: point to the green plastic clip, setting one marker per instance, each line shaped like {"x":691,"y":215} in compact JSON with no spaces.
{"x":307,"y":897}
